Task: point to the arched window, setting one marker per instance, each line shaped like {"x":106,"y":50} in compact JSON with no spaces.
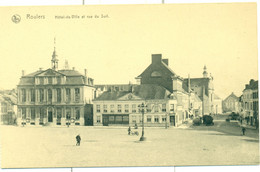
{"x":156,"y":74}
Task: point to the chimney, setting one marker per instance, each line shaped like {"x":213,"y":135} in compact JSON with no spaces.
{"x":85,"y":72}
{"x":73,"y":68}
{"x":165,"y":61}
{"x":156,"y":58}
{"x":23,"y":72}
{"x":40,"y":69}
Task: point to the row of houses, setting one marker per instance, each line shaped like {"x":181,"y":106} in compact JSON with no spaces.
{"x":66,"y":97}
{"x":246,"y":105}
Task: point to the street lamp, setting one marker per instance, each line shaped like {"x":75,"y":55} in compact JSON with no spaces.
{"x":142,"y":108}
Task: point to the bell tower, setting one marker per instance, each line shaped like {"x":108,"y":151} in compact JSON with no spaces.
{"x":205,"y":73}
{"x":54,"y":60}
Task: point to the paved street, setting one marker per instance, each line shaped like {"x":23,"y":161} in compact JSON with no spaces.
{"x":221,"y":144}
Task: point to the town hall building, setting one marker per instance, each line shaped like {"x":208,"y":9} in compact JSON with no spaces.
{"x":55,"y":97}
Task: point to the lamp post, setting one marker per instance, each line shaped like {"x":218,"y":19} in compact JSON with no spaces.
{"x":142,"y":108}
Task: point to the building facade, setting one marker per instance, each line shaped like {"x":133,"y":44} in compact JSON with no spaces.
{"x":250,"y":103}
{"x":177,"y":101}
{"x":54,"y":97}
{"x":122,"y":107}
{"x":231,"y":104}
{"x":8,"y":107}
{"x":204,"y":88}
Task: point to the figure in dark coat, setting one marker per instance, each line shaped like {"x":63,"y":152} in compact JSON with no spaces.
{"x":129,"y":130}
{"x":78,"y":139}
{"x":243,"y":130}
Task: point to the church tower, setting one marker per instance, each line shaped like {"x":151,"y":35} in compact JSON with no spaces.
{"x":54,"y":60}
{"x":205,"y":73}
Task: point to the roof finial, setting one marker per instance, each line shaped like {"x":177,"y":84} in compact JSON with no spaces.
{"x":205,"y":73}
{"x":54,"y":59}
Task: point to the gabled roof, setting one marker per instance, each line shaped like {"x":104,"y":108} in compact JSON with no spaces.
{"x":68,"y":72}
{"x":232,"y":96}
{"x":253,"y":85}
{"x":144,"y":91}
{"x":162,"y":65}
{"x":197,"y":81}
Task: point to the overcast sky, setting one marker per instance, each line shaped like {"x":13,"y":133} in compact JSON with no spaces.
{"x":117,"y":49}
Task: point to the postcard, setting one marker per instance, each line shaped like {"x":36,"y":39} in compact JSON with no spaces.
{"x":129,"y":85}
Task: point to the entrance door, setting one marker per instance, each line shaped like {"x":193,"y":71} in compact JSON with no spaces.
{"x":50,"y":117}
{"x":172,"y":120}
{"x":105,"y":120}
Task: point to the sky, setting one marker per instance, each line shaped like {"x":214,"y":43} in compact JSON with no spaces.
{"x":118,"y":48}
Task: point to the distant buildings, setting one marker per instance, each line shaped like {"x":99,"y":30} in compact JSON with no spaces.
{"x":55,"y":97}
{"x":170,"y":99}
{"x":8,"y":106}
{"x":231,"y":104}
{"x":250,"y":102}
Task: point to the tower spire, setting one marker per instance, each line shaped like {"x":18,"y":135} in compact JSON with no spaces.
{"x":205,"y":73}
{"x":54,"y":60}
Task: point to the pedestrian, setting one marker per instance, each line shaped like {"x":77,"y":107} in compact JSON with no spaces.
{"x":129,"y":130}
{"x":136,"y":127}
{"x":243,"y":130}
{"x":78,"y":139}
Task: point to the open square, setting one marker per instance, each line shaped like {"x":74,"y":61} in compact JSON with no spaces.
{"x":221,"y":144}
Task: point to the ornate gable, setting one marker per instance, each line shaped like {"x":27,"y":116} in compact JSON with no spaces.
{"x":50,"y":72}
{"x":130,"y":96}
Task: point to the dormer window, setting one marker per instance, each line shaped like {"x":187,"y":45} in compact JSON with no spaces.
{"x":156,"y":74}
{"x":49,"y":80}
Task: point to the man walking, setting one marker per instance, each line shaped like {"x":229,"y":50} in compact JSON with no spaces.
{"x":243,"y":130}
{"x":78,"y":139}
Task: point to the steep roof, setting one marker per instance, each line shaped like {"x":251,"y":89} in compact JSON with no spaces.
{"x":144,"y":91}
{"x":233,"y":96}
{"x":253,"y":85}
{"x":73,"y":77}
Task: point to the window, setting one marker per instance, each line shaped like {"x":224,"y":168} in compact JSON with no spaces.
{"x":49,"y":80}
{"x":77,"y":94}
{"x":58,"y":94}
{"x":58,"y":113}
{"x":133,"y":119}
{"x":42,"y":113}
{"x":41,"y":91}
{"x":111,"y":108}
{"x":149,"y":108}
{"x":58,"y":80}
{"x":156,"y":108}
{"x":149,"y":119}
{"x":134,"y":108}
{"x":32,"y":95}
{"x":164,"y":107}
{"x":171,"y":107}
{"x":77,"y":110}
{"x":98,"y":108}
{"x":119,"y":108}
{"x":163,"y":119}
{"x":23,"y":113}
{"x":126,"y":108}
{"x":156,"y":119}
{"x":41,"y":80}
{"x":105,"y":108}
{"x":68,"y":95}
{"x":156,"y":74}
{"x":49,"y":95}
{"x":68,"y":113}
{"x":32,"y":113}
{"x":98,"y":119}
{"x":23,"y":95}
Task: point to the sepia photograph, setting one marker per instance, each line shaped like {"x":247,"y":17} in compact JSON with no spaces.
{"x":143,"y":85}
